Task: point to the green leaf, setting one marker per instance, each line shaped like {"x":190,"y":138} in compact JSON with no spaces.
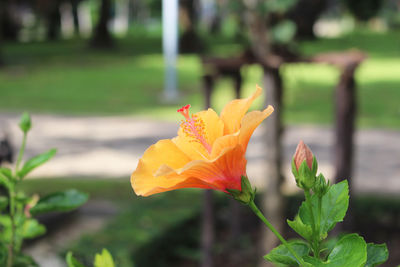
{"x":22,"y":260}
{"x":351,"y":250}
{"x":3,"y":202}
{"x":61,"y":201}
{"x":104,"y":259}
{"x":314,"y":262}
{"x":72,"y":261}
{"x":3,"y":254}
{"x":333,"y":208}
{"x":25,"y":122}
{"x":6,"y":172}
{"x":376,"y":254}
{"x":6,"y":177}
{"x":304,"y":230}
{"x":32,"y":228}
{"x":281,"y":255}
{"x":35,"y":162}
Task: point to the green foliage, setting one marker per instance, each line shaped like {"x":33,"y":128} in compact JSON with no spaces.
{"x":283,"y":32}
{"x":60,"y":201}
{"x":17,"y":208}
{"x":281,"y":255}
{"x":376,"y":254}
{"x":318,"y":214}
{"x":31,"y":228}
{"x":72,"y":261}
{"x":35,"y":162}
{"x":104,"y":259}
{"x":299,"y":227}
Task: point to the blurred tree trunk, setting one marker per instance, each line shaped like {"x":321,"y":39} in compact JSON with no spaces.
{"x":272,"y":200}
{"x":9,"y":26}
{"x":53,"y":20}
{"x":305,"y":14}
{"x":102,"y":37}
{"x":1,"y":32}
{"x":74,"y":5}
{"x":189,"y":41}
{"x":207,"y":233}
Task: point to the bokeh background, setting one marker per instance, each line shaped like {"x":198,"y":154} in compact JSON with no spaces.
{"x":103,"y":80}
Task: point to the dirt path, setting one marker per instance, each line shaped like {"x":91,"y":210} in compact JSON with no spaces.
{"x":111,"y":147}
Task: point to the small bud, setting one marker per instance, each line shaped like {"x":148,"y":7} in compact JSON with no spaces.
{"x":303,"y":153}
{"x":304,"y":166}
{"x":321,"y":185}
{"x":246,"y":195}
{"x":25,"y":122}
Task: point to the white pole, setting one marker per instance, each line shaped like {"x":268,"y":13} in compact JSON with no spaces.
{"x":170,"y":47}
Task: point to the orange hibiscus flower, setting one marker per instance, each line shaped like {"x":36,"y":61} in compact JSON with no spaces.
{"x":209,"y":151}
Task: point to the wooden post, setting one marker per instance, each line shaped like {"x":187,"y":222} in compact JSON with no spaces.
{"x":207,"y":230}
{"x":237,"y":78}
{"x":345,"y":115}
{"x":208,"y":86}
{"x":272,"y":199}
{"x":207,"y":227}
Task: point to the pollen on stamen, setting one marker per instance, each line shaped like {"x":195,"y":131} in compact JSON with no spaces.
{"x":194,"y":127}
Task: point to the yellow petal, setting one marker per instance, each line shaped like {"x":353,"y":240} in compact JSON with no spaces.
{"x":250,"y":122}
{"x":213,"y":128}
{"x":164,"y":152}
{"x":223,"y":143}
{"x":234,"y":111}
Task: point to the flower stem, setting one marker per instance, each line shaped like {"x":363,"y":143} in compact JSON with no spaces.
{"x":10,"y":259}
{"x":315,"y":235}
{"x":20,"y":154}
{"x":319,"y":224}
{"x":255,"y":209}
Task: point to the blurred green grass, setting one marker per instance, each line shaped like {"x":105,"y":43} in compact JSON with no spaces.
{"x":66,"y":77}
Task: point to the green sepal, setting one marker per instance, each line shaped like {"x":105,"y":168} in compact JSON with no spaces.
{"x":376,"y":254}
{"x":295,"y":172}
{"x":25,"y":122}
{"x":305,"y":177}
{"x":61,"y":201}
{"x":246,"y":195}
{"x":282,"y":256}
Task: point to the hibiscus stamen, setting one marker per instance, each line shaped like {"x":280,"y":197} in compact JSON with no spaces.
{"x":194,"y":128}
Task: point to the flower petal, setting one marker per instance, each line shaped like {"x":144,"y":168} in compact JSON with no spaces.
{"x":221,"y":173}
{"x":223,"y":143}
{"x":250,"y":122}
{"x":234,"y":111}
{"x":164,"y":152}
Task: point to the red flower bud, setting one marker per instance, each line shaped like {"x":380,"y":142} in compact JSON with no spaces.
{"x":303,"y":153}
